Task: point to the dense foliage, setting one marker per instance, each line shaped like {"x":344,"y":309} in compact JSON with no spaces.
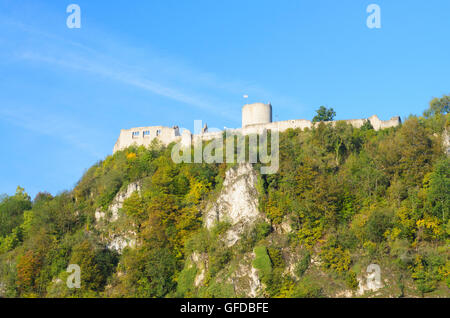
{"x":324,"y":114}
{"x":352,"y":197}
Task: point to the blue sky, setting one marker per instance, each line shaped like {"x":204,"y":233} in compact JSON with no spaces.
{"x":66,"y":93}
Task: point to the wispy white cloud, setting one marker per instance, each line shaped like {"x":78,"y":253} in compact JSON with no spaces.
{"x":145,"y":68}
{"x":111,"y":60}
{"x":57,"y":126}
{"x":111,"y":71}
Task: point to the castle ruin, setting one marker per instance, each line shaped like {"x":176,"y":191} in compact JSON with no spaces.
{"x":256,"y":118}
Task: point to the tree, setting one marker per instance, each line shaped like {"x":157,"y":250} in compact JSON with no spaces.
{"x":334,"y":257}
{"x":11,"y":210}
{"x":366,"y":126}
{"x":134,"y":207}
{"x":439,"y":189}
{"x":42,"y":197}
{"x":377,"y":224}
{"x":324,"y":114}
{"x":96,"y":264}
{"x":149,"y":272}
{"x":438,"y":106}
{"x":28,"y":268}
{"x":426,"y":272}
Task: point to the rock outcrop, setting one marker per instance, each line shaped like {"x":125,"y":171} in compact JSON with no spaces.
{"x":117,"y":202}
{"x":245,"y":279}
{"x":446,"y":141}
{"x":117,"y":240}
{"x":237,"y":202}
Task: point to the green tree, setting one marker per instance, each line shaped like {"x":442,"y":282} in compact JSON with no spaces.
{"x":11,"y":210}
{"x":438,"y":106}
{"x":366,"y":126}
{"x":96,"y":265}
{"x":324,"y":114}
{"x":377,"y":224}
{"x":438,"y":193}
{"x":426,"y":272}
{"x":334,"y":257}
{"x":149,"y":272}
{"x":303,"y":264}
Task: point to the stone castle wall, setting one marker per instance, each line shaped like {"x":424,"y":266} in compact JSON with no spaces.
{"x":145,"y":135}
{"x":383,"y":124}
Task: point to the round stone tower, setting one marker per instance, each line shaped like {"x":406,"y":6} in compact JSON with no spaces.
{"x":257,"y":113}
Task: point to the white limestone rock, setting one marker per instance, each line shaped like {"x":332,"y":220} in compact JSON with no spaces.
{"x":237,"y":202}
{"x":201,"y":262}
{"x":117,"y":203}
{"x":117,"y":241}
{"x":446,"y":141}
{"x":245,"y":279}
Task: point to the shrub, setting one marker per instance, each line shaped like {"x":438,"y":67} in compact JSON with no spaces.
{"x":427,"y":272}
{"x":303,"y":264}
{"x":307,"y":288}
{"x":262,"y":230}
{"x":185,"y":281}
{"x":335,"y":258}
{"x":351,"y":280}
{"x":377,"y":224}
